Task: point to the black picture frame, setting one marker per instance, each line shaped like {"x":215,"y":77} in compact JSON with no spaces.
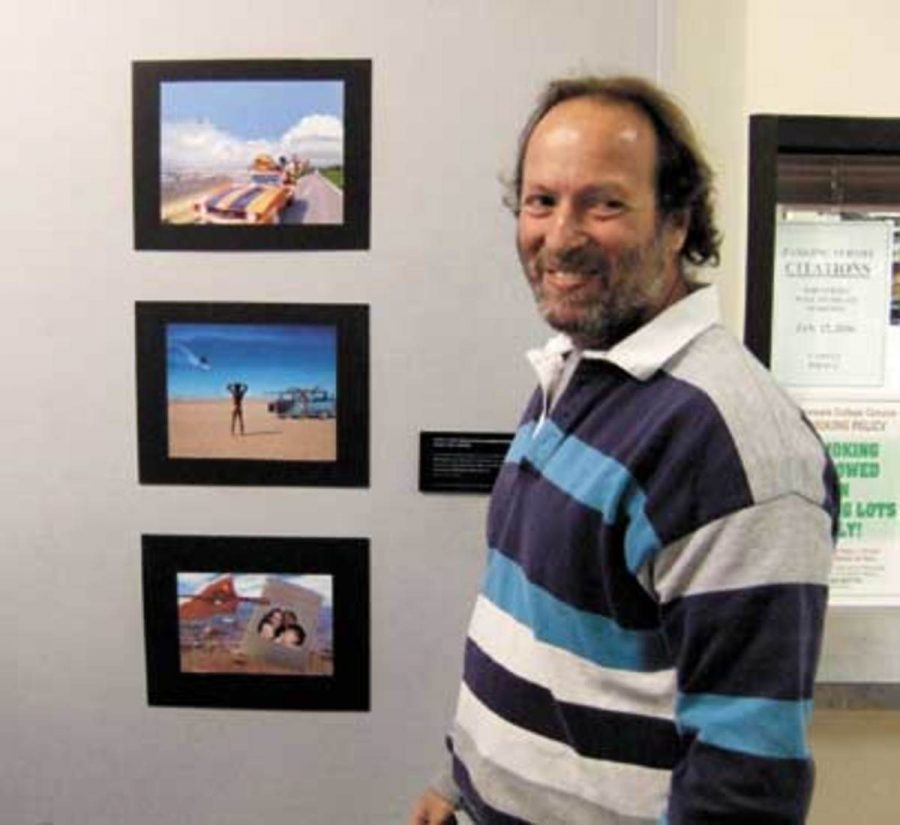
{"x":771,"y":136}
{"x":345,"y":561}
{"x":352,"y":232}
{"x":273,"y":452}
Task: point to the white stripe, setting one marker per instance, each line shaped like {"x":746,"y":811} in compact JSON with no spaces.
{"x":633,"y":790}
{"x":570,"y":678}
{"x":519,"y":798}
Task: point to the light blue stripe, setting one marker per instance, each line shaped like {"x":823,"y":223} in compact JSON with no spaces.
{"x":773,"y":728}
{"x":593,"y":478}
{"x":519,"y":443}
{"x":588,"y":635}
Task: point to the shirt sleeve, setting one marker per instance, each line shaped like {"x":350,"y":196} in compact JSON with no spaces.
{"x":442,"y":782}
{"x":742,"y":604}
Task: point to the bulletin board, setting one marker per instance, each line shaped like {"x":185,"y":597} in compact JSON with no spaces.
{"x":823,"y":312}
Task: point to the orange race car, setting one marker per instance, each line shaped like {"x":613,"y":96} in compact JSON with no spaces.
{"x":258,"y":202}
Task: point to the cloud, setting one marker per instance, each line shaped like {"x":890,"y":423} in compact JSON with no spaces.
{"x":189,"y":583}
{"x":202,"y":146}
{"x":249,"y":584}
{"x":321,"y":584}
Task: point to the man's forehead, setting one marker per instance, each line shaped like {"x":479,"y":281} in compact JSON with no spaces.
{"x":611,"y":124}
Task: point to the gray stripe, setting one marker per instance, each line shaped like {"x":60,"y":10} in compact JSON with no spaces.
{"x":786,"y":541}
{"x":780,"y":453}
{"x":526,"y":800}
{"x":443,"y":783}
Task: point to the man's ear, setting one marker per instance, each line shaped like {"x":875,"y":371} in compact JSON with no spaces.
{"x":676,"y":231}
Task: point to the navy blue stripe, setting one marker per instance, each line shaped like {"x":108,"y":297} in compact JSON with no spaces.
{"x":213,"y":202}
{"x":669,"y":435}
{"x":247,"y":198}
{"x":713,"y":785}
{"x":593,"y":733}
{"x":587,"y":568}
{"x":239,"y":203}
{"x":472,"y":803}
{"x":587,"y":635}
{"x":830,"y":481}
{"x":832,"y":503}
{"x":762,"y":641}
{"x":592,"y":478}
{"x":697,"y":473}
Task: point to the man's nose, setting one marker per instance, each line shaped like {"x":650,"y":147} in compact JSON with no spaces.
{"x":566,"y":230}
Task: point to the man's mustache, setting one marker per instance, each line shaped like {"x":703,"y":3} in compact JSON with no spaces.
{"x":585,"y":259}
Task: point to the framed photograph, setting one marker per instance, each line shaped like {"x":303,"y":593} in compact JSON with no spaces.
{"x":252,"y":394}
{"x":257,"y":622}
{"x":251,"y":154}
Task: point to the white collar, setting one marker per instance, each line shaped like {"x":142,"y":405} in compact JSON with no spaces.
{"x":645,"y":351}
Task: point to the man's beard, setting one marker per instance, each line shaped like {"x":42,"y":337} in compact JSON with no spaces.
{"x":629,"y":297}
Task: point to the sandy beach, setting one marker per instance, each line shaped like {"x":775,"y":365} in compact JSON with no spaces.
{"x":202,"y":429}
{"x":220,"y":660}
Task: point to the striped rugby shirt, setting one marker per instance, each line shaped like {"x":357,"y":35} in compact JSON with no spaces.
{"x":645,"y":642}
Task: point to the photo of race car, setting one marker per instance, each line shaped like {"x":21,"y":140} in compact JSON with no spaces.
{"x":252,"y":154}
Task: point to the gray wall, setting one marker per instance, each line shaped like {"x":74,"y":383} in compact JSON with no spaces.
{"x":452,"y":82}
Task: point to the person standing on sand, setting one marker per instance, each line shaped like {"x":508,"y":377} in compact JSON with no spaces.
{"x":238,"y":391}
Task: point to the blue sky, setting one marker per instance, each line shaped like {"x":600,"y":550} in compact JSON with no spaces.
{"x":201,"y":359}
{"x":251,"y":109}
{"x":222,"y":125}
{"x":251,"y":584}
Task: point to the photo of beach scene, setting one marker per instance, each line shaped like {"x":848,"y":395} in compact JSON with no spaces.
{"x":253,"y":391}
{"x":256,"y":623}
{"x":252,"y":152}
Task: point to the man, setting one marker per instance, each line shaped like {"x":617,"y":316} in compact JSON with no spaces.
{"x":238,"y":391}
{"x":660,"y":535}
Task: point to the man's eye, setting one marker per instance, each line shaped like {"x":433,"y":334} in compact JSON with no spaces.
{"x":538,"y":203}
{"x":607,"y":207}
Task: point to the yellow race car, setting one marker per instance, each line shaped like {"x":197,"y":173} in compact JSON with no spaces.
{"x":258,"y":202}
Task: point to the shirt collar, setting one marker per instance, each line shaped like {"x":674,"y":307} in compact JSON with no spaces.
{"x":648,"y":349}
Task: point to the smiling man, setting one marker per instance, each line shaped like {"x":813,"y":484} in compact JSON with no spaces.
{"x":645,"y":643}
{"x":600,"y":258}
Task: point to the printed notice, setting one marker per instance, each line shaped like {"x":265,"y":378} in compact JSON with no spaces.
{"x":451,"y":462}
{"x":831,"y":303}
{"x":863,"y":439}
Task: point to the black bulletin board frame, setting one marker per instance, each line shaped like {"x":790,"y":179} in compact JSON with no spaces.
{"x":858,"y":635}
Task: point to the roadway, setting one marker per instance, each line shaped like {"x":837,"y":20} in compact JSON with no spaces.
{"x":316,"y":200}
